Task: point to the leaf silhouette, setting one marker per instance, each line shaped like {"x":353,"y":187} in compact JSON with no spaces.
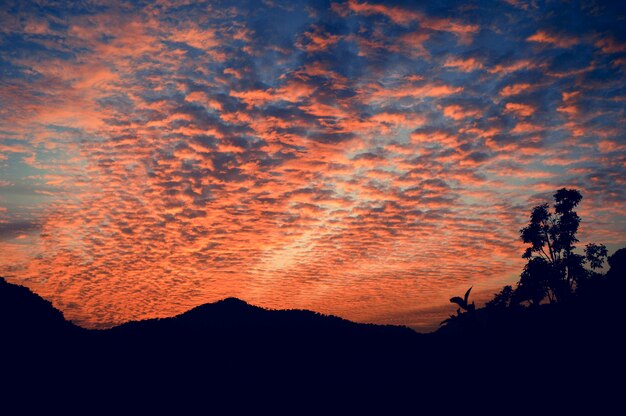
{"x":467,"y":296}
{"x":462,"y":303}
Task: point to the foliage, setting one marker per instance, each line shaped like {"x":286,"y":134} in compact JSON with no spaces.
{"x":502,"y":299}
{"x":595,"y":255}
{"x":554,"y":269}
{"x":537,"y":281}
{"x":463,"y":303}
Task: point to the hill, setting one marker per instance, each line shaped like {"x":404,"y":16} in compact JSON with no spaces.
{"x":232,"y":316}
{"x":24,"y":315}
{"x":250,"y":357}
{"x":220,"y":346}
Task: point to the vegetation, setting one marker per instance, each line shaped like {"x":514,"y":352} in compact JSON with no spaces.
{"x":548,"y":335}
{"x":554,"y":273}
{"x":463,"y":304}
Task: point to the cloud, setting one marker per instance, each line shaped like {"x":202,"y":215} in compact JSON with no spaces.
{"x":465,"y":65}
{"x":395,"y":14}
{"x":561,"y":41}
{"x":523,"y":110}
{"x":317,"y":40}
{"x":515,"y":89}
{"x":457,"y":112}
{"x":364,"y":159}
{"x":17,"y":229}
{"x":403,"y":16}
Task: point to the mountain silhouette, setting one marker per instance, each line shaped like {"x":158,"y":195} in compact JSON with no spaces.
{"x":250,"y":358}
{"x":217,"y":345}
{"x":25,"y":315}
{"x":552,"y":344}
{"x":236,"y":317}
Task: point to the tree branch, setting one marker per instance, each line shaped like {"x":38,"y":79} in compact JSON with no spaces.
{"x":545,"y":233}
{"x":544,"y":253}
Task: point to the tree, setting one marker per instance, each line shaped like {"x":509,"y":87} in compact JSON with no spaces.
{"x":553,"y":268}
{"x":537,"y":281}
{"x":502,"y":299}
{"x":617,"y":263}
{"x":595,"y":254}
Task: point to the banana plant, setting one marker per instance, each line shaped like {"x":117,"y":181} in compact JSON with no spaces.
{"x":464,"y":302}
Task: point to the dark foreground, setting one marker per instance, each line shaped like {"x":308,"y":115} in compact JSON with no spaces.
{"x":234,"y":356}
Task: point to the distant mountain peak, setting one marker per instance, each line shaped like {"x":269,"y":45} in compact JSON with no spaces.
{"x":230,"y":306}
{"x":233,"y":301}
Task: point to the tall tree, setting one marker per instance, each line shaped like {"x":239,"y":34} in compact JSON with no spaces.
{"x":553,"y":267}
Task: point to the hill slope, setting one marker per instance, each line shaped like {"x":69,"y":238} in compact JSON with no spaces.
{"x":230,"y":349}
{"x":26,"y":314}
{"x":29,"y":320}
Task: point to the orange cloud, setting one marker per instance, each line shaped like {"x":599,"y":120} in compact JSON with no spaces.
{"x":560,"y":41}
{"x":523,"y":110}
{"x":317,"y":40}
{"x":609,"y":45}
{"x":413,"y":43}
{"x":198,"y":38}
{"x":465,"y":65}
{"x":456,"y":112}
{"x":511,"y":67}
{"x":395,"y":14}
{"x":402,"y":16}
{"x":409,"y":90}
{"x":515,"y":89}
{"x":176,"y":159}
{"x":526,"y":128}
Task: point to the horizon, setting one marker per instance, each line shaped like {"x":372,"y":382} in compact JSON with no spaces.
{"x":361,"y":159}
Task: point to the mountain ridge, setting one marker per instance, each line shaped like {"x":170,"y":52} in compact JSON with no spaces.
{"x":231,"y":349}
{"x":228,"y":313}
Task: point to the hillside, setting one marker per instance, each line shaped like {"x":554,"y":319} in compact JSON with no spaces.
{"x":24,"y":314}
{"x":231,"y":325}
{"x":230,"y":348}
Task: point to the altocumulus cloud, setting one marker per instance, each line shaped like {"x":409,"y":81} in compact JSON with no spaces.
{"x":366,"y":159}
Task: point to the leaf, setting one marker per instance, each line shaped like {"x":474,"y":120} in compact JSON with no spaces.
{"x":467,"y":295}
{"x":458,"y":301}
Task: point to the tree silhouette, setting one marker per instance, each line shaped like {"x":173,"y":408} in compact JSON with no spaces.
{"x":502,"y":299}
{"x":538,"y":280}
{"x":595,"y":254}
{"x":554,"y":269}
{"x":617,"y":271}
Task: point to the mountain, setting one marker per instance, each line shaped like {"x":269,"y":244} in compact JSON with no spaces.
{"x":26,"y":315}
{"x":249,"y":358}
{"x":214,"y":349}
{"x":228,"y":327}
{"x":24,"y":312}
{"x":235,"y":317}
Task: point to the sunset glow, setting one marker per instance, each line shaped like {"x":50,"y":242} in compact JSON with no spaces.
{"x":362,"y":159}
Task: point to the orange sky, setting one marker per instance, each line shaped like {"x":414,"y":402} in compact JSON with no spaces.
{"x":368,"y":160}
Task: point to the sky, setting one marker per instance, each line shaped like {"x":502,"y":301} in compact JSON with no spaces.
{"x":363,"y":159}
